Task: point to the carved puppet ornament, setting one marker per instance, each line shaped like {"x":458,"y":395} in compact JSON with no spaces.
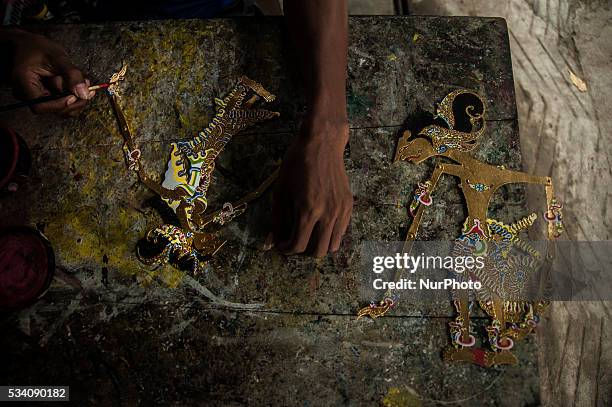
{"x":189,"y":172}
{"x":512,"y":317}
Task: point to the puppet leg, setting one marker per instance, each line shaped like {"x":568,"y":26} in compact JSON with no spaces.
{"x":500,"y":341}
{"x":462,"y":341}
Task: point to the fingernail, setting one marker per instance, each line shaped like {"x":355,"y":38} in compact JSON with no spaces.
{"x":82,"y":91}
{"x":87,"y":82}
{"x":71,"y":99}
{"x":92,"y":93}
{"x":269,"y":243}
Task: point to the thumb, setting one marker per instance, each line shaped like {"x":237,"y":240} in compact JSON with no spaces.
{"x":73,"y":78}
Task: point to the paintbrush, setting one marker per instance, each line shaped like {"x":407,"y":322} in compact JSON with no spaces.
{"x":32,"y":102}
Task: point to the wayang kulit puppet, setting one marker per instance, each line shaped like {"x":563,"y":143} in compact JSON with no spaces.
{"x":512,"y":317}
{"x":189,"y":172}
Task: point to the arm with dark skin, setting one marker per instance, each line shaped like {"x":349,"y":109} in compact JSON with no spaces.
{"x":313,"y":199}
{"x":35,"y":66}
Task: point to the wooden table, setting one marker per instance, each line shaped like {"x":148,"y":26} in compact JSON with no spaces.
{"x":119,"y":333}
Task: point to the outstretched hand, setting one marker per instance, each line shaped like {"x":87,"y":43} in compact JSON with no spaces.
{"x":41,"y":67}
{"x":313,"y":200}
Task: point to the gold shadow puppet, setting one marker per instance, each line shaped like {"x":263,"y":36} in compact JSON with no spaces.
{"x":189,"y":172}
{"x":512,"y":318}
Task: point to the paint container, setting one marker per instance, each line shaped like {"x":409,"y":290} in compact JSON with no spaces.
{"x":27,"y":265}
{"x":15,"y":161}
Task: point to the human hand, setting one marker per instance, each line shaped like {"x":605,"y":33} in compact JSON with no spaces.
{"x":40,"y":67}
{"x":313,"y":200}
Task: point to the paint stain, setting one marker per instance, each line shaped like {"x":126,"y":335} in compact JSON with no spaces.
{"x":358,"y":105}
{"x":397,"y":397}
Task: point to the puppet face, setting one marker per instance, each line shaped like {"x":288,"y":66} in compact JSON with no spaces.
{"x":416,"y":151}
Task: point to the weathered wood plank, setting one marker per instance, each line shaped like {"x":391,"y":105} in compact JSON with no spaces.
{"x":204,"y":356}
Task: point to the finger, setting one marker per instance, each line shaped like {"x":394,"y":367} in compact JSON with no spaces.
{"x":56,"y":85}
{"x":91,"y":93}
{"x":339,"y":230}
{"x":301,"y":235}
{"x":74,"y":108}
{"x":28,"y":86}
{"x":54,"y":106}
{"x":321,"y":237}
{"x":73,"y":78}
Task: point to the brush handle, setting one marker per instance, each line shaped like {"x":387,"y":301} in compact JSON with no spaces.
{"x":32,"y":102}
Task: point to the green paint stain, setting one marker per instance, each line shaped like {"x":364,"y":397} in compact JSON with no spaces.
{"x":358,"y":105}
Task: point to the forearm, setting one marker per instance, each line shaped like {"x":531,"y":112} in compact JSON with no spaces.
{"x":320,"y":32}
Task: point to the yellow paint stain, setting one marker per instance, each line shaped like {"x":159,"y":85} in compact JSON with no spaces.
{"x":176,"y":56}
{"x":83,"y":234}
{"x":397,"y":397}
{"x":72,"y":236}
{"x":416,"y":37}
{"x":172,"y":277}
{"x":391,"y":57}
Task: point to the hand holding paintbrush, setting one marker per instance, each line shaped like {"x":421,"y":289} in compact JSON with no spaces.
{"x":42,"y":75}
{"x":70,"y":98}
